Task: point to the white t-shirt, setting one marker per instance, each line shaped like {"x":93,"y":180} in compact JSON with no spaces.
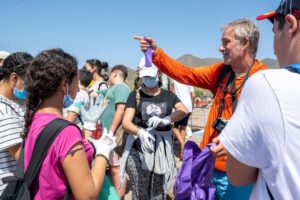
{"x":81,"y":96}
{"x":95,"y":86}
{"x":183,"y":92}
{"x":264,"y":132}
{"x":11,"y":127}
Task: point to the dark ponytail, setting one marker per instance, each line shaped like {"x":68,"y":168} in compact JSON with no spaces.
{"x":99,"y":66}
{"x":44,"y":77}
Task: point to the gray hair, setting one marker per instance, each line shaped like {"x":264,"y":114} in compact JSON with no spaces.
{"x":245,"y":29}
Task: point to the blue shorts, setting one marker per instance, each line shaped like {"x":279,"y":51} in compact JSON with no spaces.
{"x":226,"y":191}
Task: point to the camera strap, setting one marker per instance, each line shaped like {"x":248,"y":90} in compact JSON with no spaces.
{"x":234,"y":90}
{"x":230,"y":81}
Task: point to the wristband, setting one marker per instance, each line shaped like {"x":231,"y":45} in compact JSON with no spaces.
{"x":101,"y":155}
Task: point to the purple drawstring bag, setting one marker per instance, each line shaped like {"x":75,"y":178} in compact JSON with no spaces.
{"x":148,"y":55}
{"x":194,"y":180}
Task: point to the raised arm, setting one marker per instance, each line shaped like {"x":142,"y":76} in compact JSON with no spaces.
{"x":84,"y":182}
{"x":204,"y":77}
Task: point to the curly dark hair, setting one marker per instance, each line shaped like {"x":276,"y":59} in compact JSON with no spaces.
{"x":43,"y":78}
{"x":16,"y":62}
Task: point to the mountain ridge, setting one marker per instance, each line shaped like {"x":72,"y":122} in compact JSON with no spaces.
{"x":194,"y":61}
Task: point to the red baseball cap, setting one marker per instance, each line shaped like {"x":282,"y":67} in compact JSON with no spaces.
{"x":285,"y":7}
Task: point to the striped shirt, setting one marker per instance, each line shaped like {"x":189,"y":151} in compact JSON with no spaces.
{"x":11,"y":127}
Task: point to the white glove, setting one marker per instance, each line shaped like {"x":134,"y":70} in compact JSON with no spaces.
{"x":105,"y":144}
{"x":147,"y":141}
{"x":156,"y":121}
{"x":91,"y":116}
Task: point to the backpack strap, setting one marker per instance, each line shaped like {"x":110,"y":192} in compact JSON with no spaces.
{"x":100,"y":84}
{"x":234,"y":90}
{"x":20,"y":167}
{"x":19,"y":173}
{"x":224,"y":71}
{"x":80,"y":120}
{"x":41,"y":147}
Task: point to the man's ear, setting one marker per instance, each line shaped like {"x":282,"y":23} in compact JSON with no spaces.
{"x":245,"y":43}
{"x":292,"y":25}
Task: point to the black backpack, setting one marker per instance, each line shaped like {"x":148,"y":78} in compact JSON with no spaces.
{"x":18,"y":187}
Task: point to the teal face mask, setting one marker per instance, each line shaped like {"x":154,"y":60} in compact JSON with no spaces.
{"x":20,"y":94}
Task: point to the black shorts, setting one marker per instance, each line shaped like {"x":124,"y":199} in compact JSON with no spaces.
{"x":182,"y":122}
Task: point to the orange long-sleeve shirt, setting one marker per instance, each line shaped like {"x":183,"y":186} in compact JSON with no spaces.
{"x":205,"y":77}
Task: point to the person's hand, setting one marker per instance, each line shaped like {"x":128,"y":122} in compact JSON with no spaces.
{"x":218,"y":150}
{"x":156,"y":121}
{"x":91,"y":116}
{"x":147,"y":141}
{"x":105,"y":144}
{"x":145,"y":44}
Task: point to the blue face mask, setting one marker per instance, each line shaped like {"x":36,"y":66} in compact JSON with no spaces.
{"x":68,"y":101}
{"x":20,"y":94}
{"x":150,"y":82}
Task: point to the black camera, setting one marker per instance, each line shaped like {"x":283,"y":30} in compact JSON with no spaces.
{"x":219,"y":124}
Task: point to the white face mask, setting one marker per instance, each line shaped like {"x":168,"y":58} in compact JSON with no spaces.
{"x":150,"y":82}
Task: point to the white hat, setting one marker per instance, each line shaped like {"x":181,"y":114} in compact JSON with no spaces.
{"x":4,"y":54}
{"x":147,"y":71}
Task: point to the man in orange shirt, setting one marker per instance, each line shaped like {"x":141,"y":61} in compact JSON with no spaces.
{"x":225,"y":80}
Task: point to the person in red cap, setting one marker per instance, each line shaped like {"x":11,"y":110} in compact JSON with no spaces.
{"x":262,"y":138}
{"x":225,"y":80}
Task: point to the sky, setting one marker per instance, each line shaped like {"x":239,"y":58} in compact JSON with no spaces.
{"x":104,"y":29}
